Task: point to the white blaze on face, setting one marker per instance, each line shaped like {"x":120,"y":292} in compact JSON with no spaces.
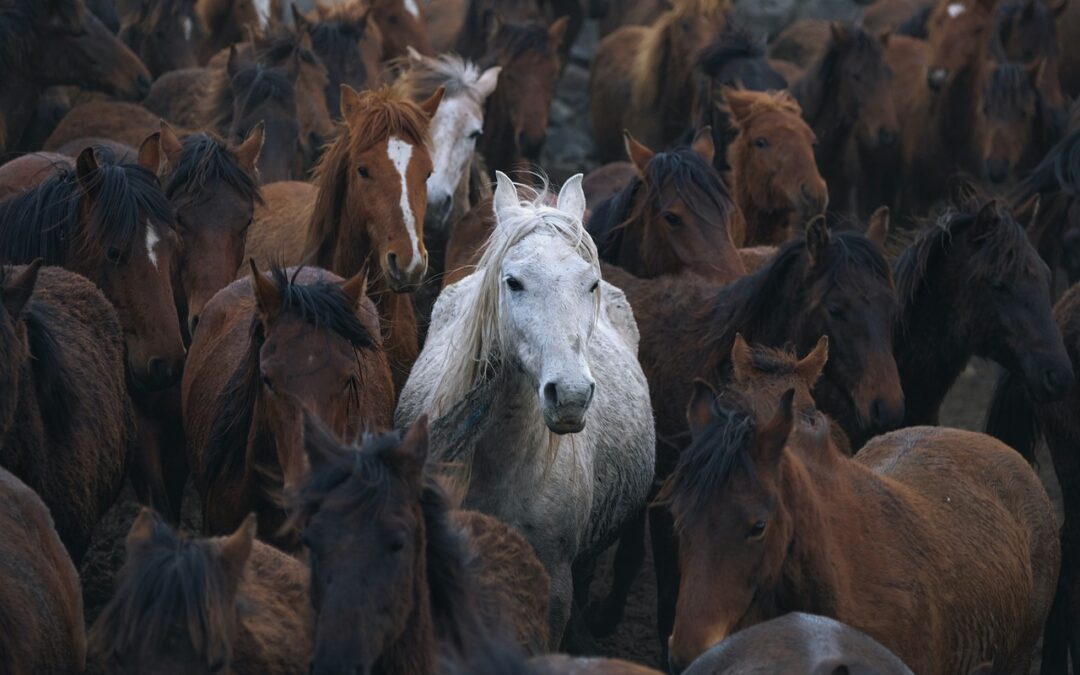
{"x":400,"y":153}
{"x":412,"y":8}
{"x":152,"y":240}
{"x":188,"y":27}
{"x":262,"y":9}
{"x":452,"y":144}
{"x":955,"y":9}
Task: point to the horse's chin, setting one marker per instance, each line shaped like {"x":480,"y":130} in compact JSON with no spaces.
{"x":563,"y":427}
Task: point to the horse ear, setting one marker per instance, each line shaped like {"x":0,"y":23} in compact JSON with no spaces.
{"x":356,"y":286}
{"x":572,"y":198}
{"x":557,"y":31}
{"x":303,"y":25}
{"x":639,"y":155}
{"x":267,"y":295}
{"x":773,"y":436}
{"x":841,"y":36}
{"x":810,"y":366}
{"x":150,"y":153}
{"x":1029,"y":211}
{"x":170,"y":144}
{"x":987,"y":217}
{"x":699,"y":411}
{"x":506,"y":196}
{"x":739,"y":101}
{"x":351,"y":102}
{"x":86,"y":168}
{"x":412,"y":452}
{"x":877,"y":230}
{"x":18,"y":288}
{"x":817,"y":238}
{"x":431,"y":106}
{"x":741,"y":358}
{"x":247,"y":153}
{"x":143,"y":529}
{"x":885,"y":35}
{"x":488,"y":80}
{"x":703,"y":144}
{"x":236,"y":549}
{"x":232,"y":66}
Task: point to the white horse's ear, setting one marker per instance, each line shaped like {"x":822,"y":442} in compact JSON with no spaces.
{"x":488,"y":80}
{"x":506,"y":196}
{"x":572,"y":198}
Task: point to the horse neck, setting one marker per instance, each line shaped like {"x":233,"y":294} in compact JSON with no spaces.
{"x":497,"y":143}
{"x":821,"y":107}
{"x":263,"y":478}
{"x":932,"y":347}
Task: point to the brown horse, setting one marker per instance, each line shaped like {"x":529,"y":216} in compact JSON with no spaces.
{"x":398,"y":579}
{"x":112,"y":224}
{"x":774,"y":173}
{"x":266,"y":349}
{"x":227,"y":22}
{"x":799,"y":643}
{"x":836,"y":285}
{"x":41,"y":608}
{"x":165,"y":34}
{"x":350,"y":45}
{"x":120,"y":122}
{"x":402,"y":25}
{"x":782,"y":521}
{"x":938,"y":92}
{"x":516,"y":114}
{"x":676,"y":214}
{"x":29,"y":171}
{"x":642,"y":77}
{"x":973,"y":285}
{"x":365,"y":211}
{"x":1020,"y":420}
{"x":1019,"y":125}
{"x":189,"y":605}
{"x":847,"y":99}
{"x":66,"y":426}
{"x":53,"y":43}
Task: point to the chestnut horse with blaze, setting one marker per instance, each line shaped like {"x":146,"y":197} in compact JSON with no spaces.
{"x":365,"y":211}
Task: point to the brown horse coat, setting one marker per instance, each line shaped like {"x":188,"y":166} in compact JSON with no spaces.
{"x":30,"y":171}
{"x":41,"y":609}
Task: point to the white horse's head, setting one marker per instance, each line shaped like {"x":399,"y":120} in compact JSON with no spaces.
{"x":456,"y":126}
{"x":548,"y":279}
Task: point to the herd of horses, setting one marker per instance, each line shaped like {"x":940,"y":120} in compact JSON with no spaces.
{"x":269,"y":258}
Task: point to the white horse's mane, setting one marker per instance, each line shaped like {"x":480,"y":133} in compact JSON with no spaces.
{"x":478,"y":342}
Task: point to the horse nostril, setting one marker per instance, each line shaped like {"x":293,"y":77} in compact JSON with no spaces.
{"x":142,"y":83}
{"x":392,"y":266}
{"x":1057,"y":382}
{"x":551,"y":395}
{"x":193,"y":324}
{"x":936,"y":78}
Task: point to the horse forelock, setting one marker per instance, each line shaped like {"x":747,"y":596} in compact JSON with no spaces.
{"x":421,"y":79}
{"x":385,"y":114}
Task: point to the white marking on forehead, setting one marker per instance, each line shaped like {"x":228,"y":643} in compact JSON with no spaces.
{"x":262,"y":9}
{"x":955,"y":9}
{"x":411,"y":8}
{"x":152,"y":239}
{"x":188,"y":27}
{"x":400,"y":153}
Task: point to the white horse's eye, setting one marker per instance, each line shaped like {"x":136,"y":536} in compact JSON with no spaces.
{"x":595,"y":285}
{"x":514,"y":284}
{"x":476,"y":134}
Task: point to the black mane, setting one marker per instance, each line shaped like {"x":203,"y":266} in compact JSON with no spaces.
{"x":1059,"y":171}
{"x":207,"y":159}
{"x":44,"y":222}
{"x":739,"y":46}
{"x":257,"y":83}
{"x":515,"y":39}
{"x":695,"y":181}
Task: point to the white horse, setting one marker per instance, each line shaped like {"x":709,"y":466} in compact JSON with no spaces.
{"x":531,"y":373}
{"x":455,"y":127}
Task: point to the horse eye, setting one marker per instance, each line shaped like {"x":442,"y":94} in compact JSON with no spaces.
{"x":513,"y":284}
{"x":363,"y":172}
{"x":761,"y":142}
{"x":476,"y":134}
{"x":114,"y":255}
{"x":595,"y":285}
{"x":396,"y":542}
{"x":757,"y":530}
{"x":267,"y":383}
{"x":392,"y":18}
{"x":672,"y":218}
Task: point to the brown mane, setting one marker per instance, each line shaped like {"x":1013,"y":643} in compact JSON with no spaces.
{"x":385,"y":113}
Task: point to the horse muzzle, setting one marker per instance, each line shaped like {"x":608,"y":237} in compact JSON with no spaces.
{"x":565,"y":405}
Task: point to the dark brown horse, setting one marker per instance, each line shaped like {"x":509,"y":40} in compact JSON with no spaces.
{"x":782,"y":521}
{"x":227,"y":22}
{"x":188,"y":605}
{"x":120,"y":122}
{"x":847,"y":99}
{"x":53,"y":43}
{"x":402,"y":25}
{"x":1019,"y":125}
{"x":41,"y":607}
{"x":774,"y":174}
{"x":349,"y":44}
{"x":365,"y":210}
{"x":399,"y":581}
{"x":836,"y":285}
{"x":1019,"y":419}
{"x":112,"y":224}
{"x":799,"y":643}
{"x":973,"y":285}
{"x":266,"y":349}
{"x":516,"y":114}
{"x":165,"y":34}
{"x":676,"y":214}
{"x":66,"y":426}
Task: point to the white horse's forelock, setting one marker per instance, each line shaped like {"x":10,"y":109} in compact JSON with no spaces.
{"x":480,"y":341}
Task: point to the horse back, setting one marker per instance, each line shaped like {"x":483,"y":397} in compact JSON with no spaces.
{"x":280,"y":229}
{"x":41,"y":609}
{"x":988,"y":533}
{"x":29,"y":171}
